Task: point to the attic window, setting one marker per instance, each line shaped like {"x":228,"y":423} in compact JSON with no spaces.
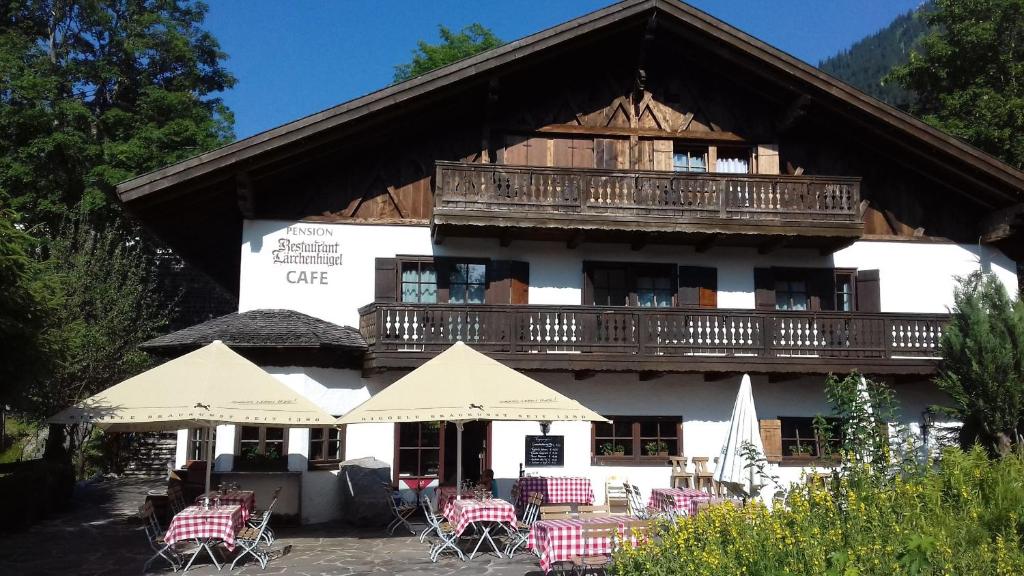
{"x":733,"y":161}
{"x":689,"y":159}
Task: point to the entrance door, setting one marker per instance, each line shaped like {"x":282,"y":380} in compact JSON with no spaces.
{"x":475,"y":455}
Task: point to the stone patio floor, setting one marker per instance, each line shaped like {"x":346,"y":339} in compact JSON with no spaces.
{"x":100,"y":535}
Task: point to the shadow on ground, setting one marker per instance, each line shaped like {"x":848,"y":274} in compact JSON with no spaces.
{"x":101,"y":536}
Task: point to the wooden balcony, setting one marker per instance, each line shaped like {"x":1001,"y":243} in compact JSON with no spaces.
{"x":586,"y":338}
{"x":577,"y":204}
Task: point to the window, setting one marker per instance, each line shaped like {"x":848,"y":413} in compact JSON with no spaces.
{"x":419,"y":282}
{"x":733,"y":161}
{"x":800,"y":440}
{"x":326,"y":446}
{"x":197,"y":443}
{"x":845,"y":296}
{"x":645,"y":285}
{"x":690,"y":159}
{"x":261,"y":448}
{"x":419,"y":449}
{"x":467,"y":283}
{"x":791,"y":295}
{"x":654,"y":291}
{"x":610,"y":287}
{"x":637,"y":439}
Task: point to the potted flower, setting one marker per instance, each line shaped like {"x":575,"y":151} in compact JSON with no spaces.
{"x":612,"y":449}
{"x":801,"y":451}
{"x":656,"y":448}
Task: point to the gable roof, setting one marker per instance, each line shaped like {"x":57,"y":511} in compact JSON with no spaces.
{"x":1003,"y":184}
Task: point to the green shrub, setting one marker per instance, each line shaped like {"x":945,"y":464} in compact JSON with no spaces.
{"x":30,"y":490}
{"x":963,"y":516}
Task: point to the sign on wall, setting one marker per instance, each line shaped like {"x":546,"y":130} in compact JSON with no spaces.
{"x":545,"y":451}
{"x":306,"y":254}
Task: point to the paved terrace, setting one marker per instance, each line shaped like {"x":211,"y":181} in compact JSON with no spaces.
{"x":102,"y":536}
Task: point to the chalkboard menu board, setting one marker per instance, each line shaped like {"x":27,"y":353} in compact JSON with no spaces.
{"x":545,"y":451}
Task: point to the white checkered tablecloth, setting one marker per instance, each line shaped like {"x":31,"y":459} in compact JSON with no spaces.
{"x":561,"y":540}
{"x":686,"y":500}
{"x":244,"y":498}
{"x":462,"y":513}
{"x":557,"y":490}
{"x":194,"y":522}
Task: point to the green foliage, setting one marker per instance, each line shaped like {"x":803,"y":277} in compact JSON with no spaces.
{"x":454,"y":46}
{"x":864,"y":408}
{"x":94,"y":92}
{"x":968,"y":74}
{"x":963,"y":516}
{"x":866,"y":64}
{"x":983,"y":363}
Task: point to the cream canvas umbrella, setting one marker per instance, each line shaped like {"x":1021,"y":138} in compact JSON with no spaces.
{"x":733,"y":470}
{"x":209,"y":386}
{"x":461,"y":385}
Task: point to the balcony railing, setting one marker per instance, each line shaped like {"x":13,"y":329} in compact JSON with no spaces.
{"x":753,"y":335}
{"x":687,"y":197}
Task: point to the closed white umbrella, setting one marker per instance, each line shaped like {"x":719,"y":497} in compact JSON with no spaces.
{"x":733,"y":470}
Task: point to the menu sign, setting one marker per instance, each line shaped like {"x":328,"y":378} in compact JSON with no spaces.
{"x":545,"y":451}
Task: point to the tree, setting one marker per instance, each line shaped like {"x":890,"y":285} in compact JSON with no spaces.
{"x":454,"y":46}
{"x":983,"y":363}
{"x":968,"y":74}
{"x":96,"y":91}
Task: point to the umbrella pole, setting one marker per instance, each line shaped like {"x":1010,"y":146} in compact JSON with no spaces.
{"x":209,"y":456}
{"x":458,"y":460}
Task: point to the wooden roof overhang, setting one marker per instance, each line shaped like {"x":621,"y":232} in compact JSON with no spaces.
{"x":197,"y":205}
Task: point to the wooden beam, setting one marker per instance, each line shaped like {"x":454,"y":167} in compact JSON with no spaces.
{"x":707,"y":243}
{"x":1002,"y":224}
{"x":793,"y":113}
{"x":437,"y":235}
{"x":244,"y":194}
{"x":773,"y":245}
{"x":576,"y":239}
{"x":702,"y":136}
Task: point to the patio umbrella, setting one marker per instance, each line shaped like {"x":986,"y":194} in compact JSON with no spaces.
{"x":209,"y":386}
{"x":732,"y":470}
{"x":461,"y":385}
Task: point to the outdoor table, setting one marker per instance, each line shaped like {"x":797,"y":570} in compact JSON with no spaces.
{"x":685,"y":499}
{"x":208,"y":527}
{"x":244,"y":498}
{"x":557,"y":490}
{"x":561,"y":540}
{"x":482,"y":515}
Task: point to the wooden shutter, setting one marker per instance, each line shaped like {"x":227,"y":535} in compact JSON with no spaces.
{"x":663,"y":155}
{"x":583,"y":153}
{"x":561,"y":151}
{"x":698,"y":287}
{"x":611,"y":153}
{"x":771,"y":437}
{"x":764,"y":288}
{"x":768,"y":159}
{"x":385,"y":280}
{"x":443,"y":266}
{"x":516,"y":148}
{"x":869,"y":296}
{"x":519,"y":291}
{"x":821,"y":288}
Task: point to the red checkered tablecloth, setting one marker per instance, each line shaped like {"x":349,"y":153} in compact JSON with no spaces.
{"x":244,"y":498}
{"x":462,"y":513}
{"x":195,"y":522}
{"x":561,"y":540}
{"x":686,"y":499}
{"x":557,"y":490}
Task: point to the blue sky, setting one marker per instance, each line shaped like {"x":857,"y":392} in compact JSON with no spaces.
{"x":298,"y":57}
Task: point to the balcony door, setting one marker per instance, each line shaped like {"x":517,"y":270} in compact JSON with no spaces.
{"x":638,"y":285}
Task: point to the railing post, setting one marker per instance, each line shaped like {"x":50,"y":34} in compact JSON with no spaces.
{"x":887,"y":338}
{"x":723,"y":197}
{"x":438,"y":185}
{"x":767,"y":333}
{"x":512,"y":329}
{"x":642,"y":328}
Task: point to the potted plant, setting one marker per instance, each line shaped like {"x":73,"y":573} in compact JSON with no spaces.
{"x":612,"y":449}
{"x":801,"y":451}
{"x":656,"y":448}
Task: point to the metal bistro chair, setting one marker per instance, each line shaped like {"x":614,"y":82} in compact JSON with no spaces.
{"x":437,"y":526}
{"x":555,"y":512}
{"x":258,"y":518}
{"x":249,"y":540}
{"x":668,"y":508}
{"x":154,"y":534}
{"x":521,"y":534}
{"x":592,"y":534}
{"x":175,"y":498}
{"x":399,"y":511}
{"x":636,"y":504}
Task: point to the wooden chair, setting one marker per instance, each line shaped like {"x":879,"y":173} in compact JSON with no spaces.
{"x":615,"y":496}
{"x":680,"y":477}
{"x":586,"y":511}
{"x":704,"y":477}
{"x":555,"y":512}
{"x":717,"y":488}
{"x":591,"y":561}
